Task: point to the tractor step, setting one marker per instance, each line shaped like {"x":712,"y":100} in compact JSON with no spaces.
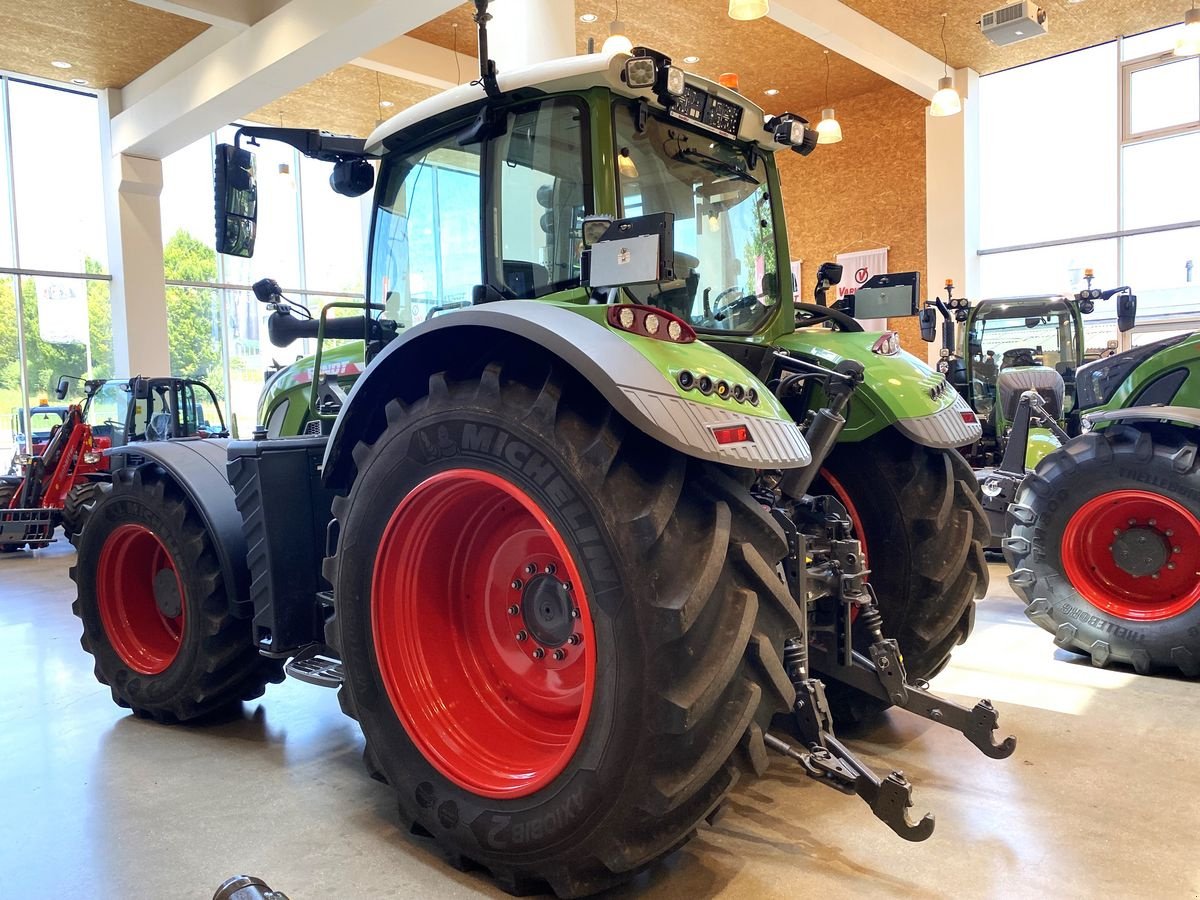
{"x":316,"y":665}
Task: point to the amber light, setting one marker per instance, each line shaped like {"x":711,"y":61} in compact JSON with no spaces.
{"x":732,"y":434}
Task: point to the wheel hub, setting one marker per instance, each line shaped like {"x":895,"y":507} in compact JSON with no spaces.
{"x":1140,"y":551}
{"x":547,"y":610}
{"x":166,"y":593}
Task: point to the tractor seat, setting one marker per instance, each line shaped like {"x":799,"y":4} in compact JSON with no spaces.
{"x":1012,"y":383}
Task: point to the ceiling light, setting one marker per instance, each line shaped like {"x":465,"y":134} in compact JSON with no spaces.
{"x":828,"y":129}
{"x":946,"y":101}
{"x":386,"y":104}
{"x":79,"y":81}
{"x":1188,"y":42}
{"x":589,"y":18}
{"x":691,"y":60}
{"x":771,"y":92}
{"x":60,"y":64}
{"x":744,"y":10}
{"x":616,"y":42}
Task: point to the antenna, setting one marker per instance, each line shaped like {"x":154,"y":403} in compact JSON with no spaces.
{"x":487,"y":66}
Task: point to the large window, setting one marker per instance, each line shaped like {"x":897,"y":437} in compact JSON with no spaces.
{"x":310,"y":240}
{"x":1086,"y":162}
{"x":55,"y":316}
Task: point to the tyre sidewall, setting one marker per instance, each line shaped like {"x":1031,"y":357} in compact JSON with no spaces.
{"x":1069,"y":491}
{"x":111,"y":511}
{"x":560,"y":815}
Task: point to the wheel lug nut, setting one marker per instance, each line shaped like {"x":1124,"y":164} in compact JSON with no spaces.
{"x":1153,"y":522}
{"x":574,"y":640}
{"x":514,"y":609}
{"x":1175,"y":550}
{"x":530,"y":569}
{"x":521,"y":636}
{"x":566,"y":585}
{"x":560,"y":654}
{"x":550,"y":569}
{"x":1133,"y":521}
{"x":1170,"y":533}
{"x":516,"y":584}
{"x":538,"y":653}
{"x":1170,"y":565}
{"x":1116,"y":531}
{"x":574,"y":614}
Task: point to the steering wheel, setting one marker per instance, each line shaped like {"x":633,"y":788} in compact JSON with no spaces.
{"x":717,"y":312}
{"x":809,"y":314}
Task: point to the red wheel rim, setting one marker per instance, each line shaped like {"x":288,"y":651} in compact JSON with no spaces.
{"x":1134,"y":554}
{"x":462,"y":551}
{"x":131,"y":563}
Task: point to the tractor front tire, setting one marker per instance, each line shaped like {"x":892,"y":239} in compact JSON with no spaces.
{"x":559,"y":637}
{"x":1104,"y":544}
{"x":78,"y":500}
{"x":917,"y":513}
{"x":154,"y":606}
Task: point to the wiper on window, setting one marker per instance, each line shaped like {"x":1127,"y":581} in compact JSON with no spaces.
{"x":716,"y":165}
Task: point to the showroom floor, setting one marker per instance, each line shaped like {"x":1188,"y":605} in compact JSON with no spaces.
{"x":1099,"y":799}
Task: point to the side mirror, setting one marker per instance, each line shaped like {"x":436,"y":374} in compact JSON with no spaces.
{"x":64,"y":385}
{"x":352,"y":177}
{"x":928,"y":321}
{"x":236,"y":200}
{"x":1126,"y":312}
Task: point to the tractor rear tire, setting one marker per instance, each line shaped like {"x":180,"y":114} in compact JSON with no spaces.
{"x":580,"y":767}
{"x":78,"y":500}
{"x":1104,"y":544}
{"x":916,"y":511}
{"x":154,"y":606}
{"x":7,"y":492}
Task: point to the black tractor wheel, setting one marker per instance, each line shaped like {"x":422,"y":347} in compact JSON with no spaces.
{"x":1104,"y":544}
{"x":559,"y":637}
{"x":78,"y":500}
{"x":154,"y":607}
{"x":917,"y":513}
{"x":7,"y":492}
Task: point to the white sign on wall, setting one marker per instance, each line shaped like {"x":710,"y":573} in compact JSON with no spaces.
{"x":62,"y":310}
{"x":857,"y":269}
{"x":797,"y":280}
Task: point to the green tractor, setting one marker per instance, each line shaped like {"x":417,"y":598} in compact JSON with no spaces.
{"x":1016,"y":365}
{"x":1104,"y":536}
{"x":600,"y":506}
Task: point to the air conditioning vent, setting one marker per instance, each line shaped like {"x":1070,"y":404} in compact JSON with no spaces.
{"x":1014,"y":22}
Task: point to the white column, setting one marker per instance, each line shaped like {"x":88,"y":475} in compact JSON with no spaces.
{"x":132,"y":186}
{"x":952,"y":196}
{"x":525,"y":32}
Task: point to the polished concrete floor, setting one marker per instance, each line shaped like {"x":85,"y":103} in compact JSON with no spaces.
{"x":1101,"y":799}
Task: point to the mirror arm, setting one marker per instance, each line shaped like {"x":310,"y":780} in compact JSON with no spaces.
{"x":312,"y":143}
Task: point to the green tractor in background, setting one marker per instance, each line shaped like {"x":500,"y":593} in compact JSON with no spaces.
{"x":1104,"y":535}
{"x":600,"y":506}
{"x":1015,"y":359}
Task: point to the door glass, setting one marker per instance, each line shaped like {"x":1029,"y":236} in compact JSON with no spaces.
{"x":543,"y":196}
{"x":426,"y":252}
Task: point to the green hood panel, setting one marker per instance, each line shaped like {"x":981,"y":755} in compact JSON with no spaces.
{"x":293,"y":382}
{"x":896,"y":389}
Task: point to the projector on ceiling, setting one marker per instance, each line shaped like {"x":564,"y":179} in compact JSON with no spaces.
{"x":1012,"y":23}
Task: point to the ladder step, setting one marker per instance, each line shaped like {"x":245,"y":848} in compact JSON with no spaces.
{"x":323,"y":671}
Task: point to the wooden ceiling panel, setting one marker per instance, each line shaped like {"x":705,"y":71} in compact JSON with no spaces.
{"x":344,"y":101}
{"x":108,"y":42}
{"x":764,"y":53}
{"x":1071,"y":26}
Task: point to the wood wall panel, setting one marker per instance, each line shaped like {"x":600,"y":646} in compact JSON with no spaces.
{"x":866,"y":191}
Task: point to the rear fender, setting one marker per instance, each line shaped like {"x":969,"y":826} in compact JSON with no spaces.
{"x":897,"y":389}
{"x":636,"y":375}
{"x":198,"y":468}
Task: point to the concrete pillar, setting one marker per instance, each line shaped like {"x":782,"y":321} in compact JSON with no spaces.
{"x":132,"y":187}
{"x":952,"y":196}
{"x":525,"y":32}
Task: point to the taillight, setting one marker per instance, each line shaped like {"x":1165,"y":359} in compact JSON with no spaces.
{"x":888,"y":344}
{"x":732,"y":434}
{"x":969,"y":417}
{"x":649,"y":321}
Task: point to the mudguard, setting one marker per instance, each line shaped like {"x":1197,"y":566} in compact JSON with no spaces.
{"x":199,"y":468}
{"x":898,"y":389}
{"x":1184,"y":415}
{"x":637,"y":375}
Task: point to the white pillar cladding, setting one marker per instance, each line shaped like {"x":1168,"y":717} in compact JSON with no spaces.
{"x":525,"y":32}
{"x":132,"y":187}
{"x":952,"y":196}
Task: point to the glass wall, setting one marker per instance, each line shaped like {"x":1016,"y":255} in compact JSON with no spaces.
{"x":310,"y":240}
{"x":1087,"y":162}
{"x":55,"y":314}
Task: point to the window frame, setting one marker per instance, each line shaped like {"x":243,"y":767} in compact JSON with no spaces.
{"x":1129,"y":68}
